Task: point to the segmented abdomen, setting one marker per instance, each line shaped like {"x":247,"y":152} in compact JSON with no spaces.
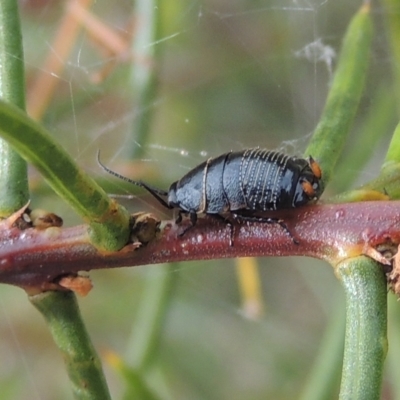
{"x":260,"y":178}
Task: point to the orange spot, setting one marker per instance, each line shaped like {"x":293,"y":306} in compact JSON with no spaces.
{"x":308,"y":189}
{"x":315,"y":168}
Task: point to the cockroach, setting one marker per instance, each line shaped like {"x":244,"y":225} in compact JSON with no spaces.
{"x":240,"y":184}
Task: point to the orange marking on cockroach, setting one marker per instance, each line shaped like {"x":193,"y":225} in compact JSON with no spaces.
{"x":315,"y":168}
{"x":308,"y":189}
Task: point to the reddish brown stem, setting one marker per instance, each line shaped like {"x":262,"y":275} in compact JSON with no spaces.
{"x":37,"y":258}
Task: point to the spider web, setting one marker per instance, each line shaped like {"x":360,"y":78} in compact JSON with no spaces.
{"x":231,"y":75}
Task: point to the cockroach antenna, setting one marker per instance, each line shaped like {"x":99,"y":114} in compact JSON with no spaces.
{"x":155,"y":192}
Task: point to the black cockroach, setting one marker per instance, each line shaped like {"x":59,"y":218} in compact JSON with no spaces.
{"x":239,"y":184}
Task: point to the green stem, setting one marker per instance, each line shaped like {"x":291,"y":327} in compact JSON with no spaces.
{"x":145,"y":70}
{"x":393,"y":30}
{"x":388,"y":179}
{"x":61,"y":312}
{"x":148,"y":324}
{"x":13,"y":171}
{"x":109,"y":223}
{"x":393,"y":153}
{"x":394,"y":353}
{"x":345,"y":93}
{"x":325,"y":373}
{"x":369,"y":135}
{"x":366,"y":328}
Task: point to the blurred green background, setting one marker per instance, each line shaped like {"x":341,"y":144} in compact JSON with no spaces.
{"x":231,"y":74}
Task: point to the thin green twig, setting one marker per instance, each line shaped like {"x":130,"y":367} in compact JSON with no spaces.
{"x":376,"y":123}
{"x":109,"y":223}
{"x":388,"y":180}
{"x":392,"y":14}
{"x":61,"y":312}
{"x":325,"y":374}
{"x":148,"y":323}
{"x":393,"y":153}
{"x":345,"y":93}
{"x":155,"y":301}
{"x":145,"y":71}
{"x":13,"y":170}
{"x":366,"y":328}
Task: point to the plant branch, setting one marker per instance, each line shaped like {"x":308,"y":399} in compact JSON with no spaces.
{"x":144,"y":74}
{"x":366,"y":328}
{"x":323,"y":379}
{"x":37,"y":258}
{"x":13,"y":177}
{"x":393,"y":32}
{"x":344,"y":95}
{"x":61,"y":312}
{"x":108,"y":221}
